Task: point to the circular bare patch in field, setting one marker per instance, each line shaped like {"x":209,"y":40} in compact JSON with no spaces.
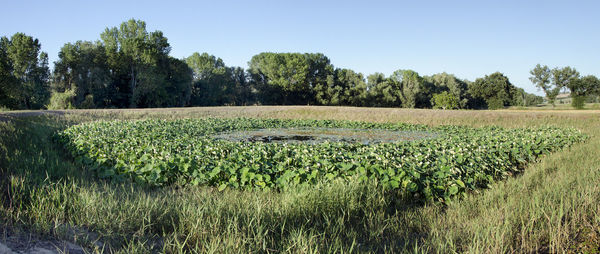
{"x":320,"y":135}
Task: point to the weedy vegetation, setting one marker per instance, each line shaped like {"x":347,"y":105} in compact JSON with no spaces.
{"x":161,"y":152}
{"x":486,"y":182}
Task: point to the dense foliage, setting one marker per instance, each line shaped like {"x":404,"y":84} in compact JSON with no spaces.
{"x":495,"y":89}
{"x":215,"y":84}
{"x":552,"y":81}
{"x":444,"y":100}
{"x":131,"y":67}
{"x":161,"y":152}
{"x":24,"y":73}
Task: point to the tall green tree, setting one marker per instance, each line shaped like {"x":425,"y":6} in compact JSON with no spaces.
{"x":541,"y":77}
{"x":581,"y":88}
{"x":519,"y":97}
{"x":212,"y":80}
{"x":321,"y":76}
{"x":290,"y":78}
{"x":129,"y":67}
{"x":413,"y":90}
{"x":216,"y":84}
{"x":495,"y":89}
{"x":24,"y":72}
{"x":383,"y":92}
{"x":242,"y":87}
{"x":178,"y":83}
{"x":561,"y":77}
{"x":7,"y":80}
{"x":568,"y":77}
{"x":281,"y":77}
{"x":592,"y":84}
{"x":354,"y":87}
{"x":331,"y":92}
{"x":139,"y":58}
{"x":82,"y":68}
{"x":344,"y":87}
{"x":448,"y":82}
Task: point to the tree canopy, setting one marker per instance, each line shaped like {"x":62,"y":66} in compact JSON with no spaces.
{"x":290,"y":78}
{"x":24,"y":73}
{"x":552,"y":81}
{"x":216,"y":84}
{"x":442,"y":82}
{"x":495,"y":89}
{"x":129,"y":66}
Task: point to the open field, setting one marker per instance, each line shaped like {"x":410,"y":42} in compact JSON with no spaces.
{"x":558,"y":106}
{"x":553,"y":206}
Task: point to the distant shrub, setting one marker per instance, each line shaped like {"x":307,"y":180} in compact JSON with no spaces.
{"x":61,"y":100}
{"x":495,"y":103}
{"x":578,"y":102}
{"x":88,"y":102}
{"x":444,"y":100}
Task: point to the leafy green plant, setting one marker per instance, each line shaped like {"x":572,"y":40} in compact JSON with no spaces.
{"x":578,"y":102}
{"x":444,"y":100}
{"x":62,"y":100}
{"x":456,"y":160}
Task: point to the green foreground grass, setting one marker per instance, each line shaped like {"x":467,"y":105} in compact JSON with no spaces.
{"x":554,"y":206}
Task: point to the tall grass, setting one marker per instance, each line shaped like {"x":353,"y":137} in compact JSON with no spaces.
{"x":552,"y":207}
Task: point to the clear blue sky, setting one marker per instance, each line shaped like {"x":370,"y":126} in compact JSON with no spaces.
{"x":467,"y":38}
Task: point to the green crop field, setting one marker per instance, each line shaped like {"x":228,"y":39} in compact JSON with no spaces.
{"x":367,"y":180}
{"x":455,"y":160}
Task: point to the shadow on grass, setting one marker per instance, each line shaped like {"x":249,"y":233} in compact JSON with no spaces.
{"x":43,"y":189}
{"x":41,"y":186}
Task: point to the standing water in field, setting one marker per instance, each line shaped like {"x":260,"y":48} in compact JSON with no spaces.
{"x":445,"y":161}
{"x":320,"y":135}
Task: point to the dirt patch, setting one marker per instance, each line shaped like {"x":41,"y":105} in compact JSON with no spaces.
{"x":586,"y":241}
{"x":320,"y":135}
{"x":23,"y":241}
{"x":30,"y":244}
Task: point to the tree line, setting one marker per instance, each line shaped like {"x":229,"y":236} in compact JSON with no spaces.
{"x":552,"y":81}
{"x":130,"y":67}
